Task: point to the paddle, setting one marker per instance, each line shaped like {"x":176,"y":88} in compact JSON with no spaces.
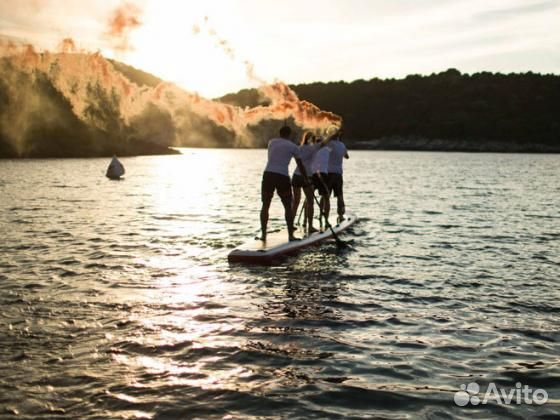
{"x":339,"y":243}
{"x":301,"y":212}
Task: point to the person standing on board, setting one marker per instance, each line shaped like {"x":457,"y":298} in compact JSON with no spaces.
{"x":276,"y":177}
{"x":338,"y":153}
{"x":307,"y":150}
{"x":320,"y":168}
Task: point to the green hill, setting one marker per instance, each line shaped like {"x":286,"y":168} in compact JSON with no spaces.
{"x":140,"y":77}
{"x":445,"y":111}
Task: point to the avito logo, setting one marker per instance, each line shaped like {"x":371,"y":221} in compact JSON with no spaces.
{"x":521,"y":394}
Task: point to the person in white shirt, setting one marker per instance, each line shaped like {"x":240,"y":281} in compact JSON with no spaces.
{"x":307,"y":150}
{"x":320,"y":168}
{"x":276,"y":177}
{"x":335,"y":182}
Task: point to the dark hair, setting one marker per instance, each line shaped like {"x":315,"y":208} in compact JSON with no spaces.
{"x":307,"y":137}
{"x":285,"y":131}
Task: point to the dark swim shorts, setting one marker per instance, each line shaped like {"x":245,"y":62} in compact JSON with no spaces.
{"x":320,"y":184}
{"x":272,"y":181}
{"x":335,"y":184}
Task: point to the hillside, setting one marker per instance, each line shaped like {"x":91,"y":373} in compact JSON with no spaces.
{"x":79,"y":105}
{"x":140,"y":77}
{"x":445,"y":111}
{"x":39,"y":119}
{"x":84,"y":105}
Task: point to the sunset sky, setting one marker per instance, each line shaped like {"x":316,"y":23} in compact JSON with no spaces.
{"x":208,"y":46}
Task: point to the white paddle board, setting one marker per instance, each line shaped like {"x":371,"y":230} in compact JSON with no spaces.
{"x":277,"y":244}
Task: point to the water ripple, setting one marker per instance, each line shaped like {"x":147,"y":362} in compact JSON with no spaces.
{"x":117,"y":301}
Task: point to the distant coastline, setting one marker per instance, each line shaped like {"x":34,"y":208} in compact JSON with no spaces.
{"x":448,"y":112}
{"x":411,"y":144}
{"x":446,"y":145}
{"x":394,"y":143}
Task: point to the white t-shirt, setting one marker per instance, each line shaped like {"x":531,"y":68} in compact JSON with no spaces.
{"x":280,"y":152}
{"x":321,"y":160}
{"x":306,"y":153}
{"x":338,"y":150}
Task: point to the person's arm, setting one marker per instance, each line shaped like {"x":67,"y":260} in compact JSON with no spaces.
{"x":346,"y":153}
{"x":299,"y":163}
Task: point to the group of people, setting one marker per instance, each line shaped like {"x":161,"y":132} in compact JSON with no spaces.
{"x":319,"y":168}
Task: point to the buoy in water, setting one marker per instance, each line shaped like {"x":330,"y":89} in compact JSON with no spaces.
{"x":115,"y":169}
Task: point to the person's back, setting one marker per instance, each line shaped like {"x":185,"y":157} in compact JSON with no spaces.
{"x":320,"y":162}
{"x":276,"y":177}
{"x":306,"y":154}
{"x":280,"y":153}
{"x":336,"y":182}
{"x":338,"y":152}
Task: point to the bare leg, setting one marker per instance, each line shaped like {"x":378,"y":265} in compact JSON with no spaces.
{"x":264,"y":216}
{"x":288,"y":215}
{"x":340,"y":207}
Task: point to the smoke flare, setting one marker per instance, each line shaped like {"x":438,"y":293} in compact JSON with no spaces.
{"x":284,"y":101}
{"x":102,"y":97}
{"x":121,"y":23}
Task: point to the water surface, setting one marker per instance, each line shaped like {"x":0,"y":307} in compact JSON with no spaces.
{"x":117,"y":301}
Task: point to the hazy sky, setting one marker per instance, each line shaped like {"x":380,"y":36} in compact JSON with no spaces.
{"x":303,"y":40}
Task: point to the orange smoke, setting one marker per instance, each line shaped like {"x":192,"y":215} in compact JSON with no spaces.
{"x":121,"y":23}
{"x":284,"y":101}
{"x":7,"y":47}
{"x":82,"y":77}
{"x":222,"y":43}
{"x":250,"y":72}
{"x":67,"y":45}
{"x":30,"y":56}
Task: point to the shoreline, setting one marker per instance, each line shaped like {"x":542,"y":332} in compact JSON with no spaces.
{"x":397,"y":143}
{"x":403,"y":144}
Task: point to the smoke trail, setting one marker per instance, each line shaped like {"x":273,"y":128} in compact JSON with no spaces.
{"x":67,"y":45}
{"x":121,"y":23}
{"x":284,"y":101}
{"x":222,"y":43}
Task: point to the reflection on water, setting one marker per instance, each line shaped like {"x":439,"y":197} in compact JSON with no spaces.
{"x":117,"y":300}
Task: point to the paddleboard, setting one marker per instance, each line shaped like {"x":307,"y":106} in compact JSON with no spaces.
{"x":277,"y":244}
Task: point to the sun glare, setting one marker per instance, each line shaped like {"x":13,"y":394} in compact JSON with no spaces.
{"x":169,"y":45}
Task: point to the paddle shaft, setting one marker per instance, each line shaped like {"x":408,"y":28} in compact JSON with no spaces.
{"x":301,"y":211}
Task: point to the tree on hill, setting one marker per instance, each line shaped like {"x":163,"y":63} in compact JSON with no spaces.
{"x":478,"y":108}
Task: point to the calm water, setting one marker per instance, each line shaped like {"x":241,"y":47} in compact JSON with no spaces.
{"x":117,"y":301}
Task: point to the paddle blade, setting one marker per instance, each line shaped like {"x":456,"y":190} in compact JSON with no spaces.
{"x":339,"y":243}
